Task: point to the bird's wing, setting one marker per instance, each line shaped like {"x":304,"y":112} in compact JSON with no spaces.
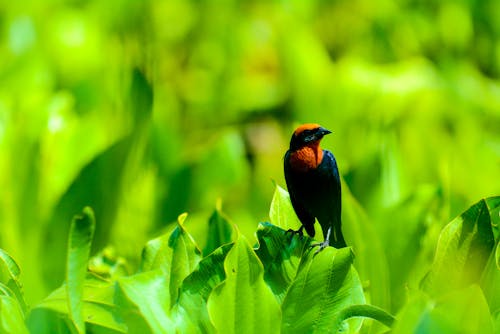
{"x":332,"y":191}
{"x":304,"y":216}
{"x":330,"y":173}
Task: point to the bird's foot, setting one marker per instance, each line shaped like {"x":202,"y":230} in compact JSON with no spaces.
{"x":321,"y":245}
{"x":298,"y":232}
{"x":324,"y":244}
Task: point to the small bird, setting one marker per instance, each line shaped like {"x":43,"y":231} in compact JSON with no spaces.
{"x":313,"y":181}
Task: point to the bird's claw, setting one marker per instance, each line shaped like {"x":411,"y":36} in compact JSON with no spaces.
{"x":322,"y":245}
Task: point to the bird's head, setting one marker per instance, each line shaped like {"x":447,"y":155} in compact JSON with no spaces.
{"x":307,"y":135}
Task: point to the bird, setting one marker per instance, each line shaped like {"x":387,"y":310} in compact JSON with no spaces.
{"x":313,"y":182}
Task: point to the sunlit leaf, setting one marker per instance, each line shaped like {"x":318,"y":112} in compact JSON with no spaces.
{"x":148,"y":294}
{"x":281,"y":212}
{"x":99,"y":308}
{"x":208,"y":274}
{"x":177,"y":253}
{"x":463,"y":249}
{"x":326,"y":283}
{"x":243,"y":301}
{"x":11,"y":316}
{"x":493,"y":204}
{"x":79,"y":243}
{"x":197,"y":287}
{"x":10,"y":276}
{"x":219,"y":231}
{"x":490,"y":281}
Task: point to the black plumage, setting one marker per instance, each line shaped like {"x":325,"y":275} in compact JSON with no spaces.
{"x":313,"y":181}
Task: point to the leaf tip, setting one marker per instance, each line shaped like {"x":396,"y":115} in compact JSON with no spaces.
{"x":182,"y":218}
{"x":218,"y":204}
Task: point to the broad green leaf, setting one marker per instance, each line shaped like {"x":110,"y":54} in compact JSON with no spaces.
{"x":149,"y":295}
{"x":280,"y":253}
{"x":219,"y":231}
{"x":197,"y":287}
{"x":281,"y":212}
{"x":243,"y":303}
{"x":10,"y":275}
{"x":490,"y":281}
{"x":177,"y":253}
{"x":99,"y":308}
{"x":463,"y":249}
{"x":11,"y":316}
{"x":325,"y":285}
{"x":208,"y":274}
{"x":461,"y":311}
{"x":79,"y":243}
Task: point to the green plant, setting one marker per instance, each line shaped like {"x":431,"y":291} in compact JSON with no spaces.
{"x":277,"y":285}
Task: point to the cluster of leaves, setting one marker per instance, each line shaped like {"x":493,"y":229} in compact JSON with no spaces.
{"x":103,"y":104}
{"x":279,"y":285}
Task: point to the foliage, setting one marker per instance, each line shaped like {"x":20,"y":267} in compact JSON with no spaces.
{"x":281,"y":285}
{"x":146,"y":109}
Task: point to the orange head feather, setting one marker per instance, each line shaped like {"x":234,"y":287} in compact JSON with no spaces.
{"x":306,"y":126}
{"x":306,"y":153}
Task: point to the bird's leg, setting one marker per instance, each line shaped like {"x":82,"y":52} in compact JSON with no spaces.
{"x":299,"y":231}
{"x":324,"y":244}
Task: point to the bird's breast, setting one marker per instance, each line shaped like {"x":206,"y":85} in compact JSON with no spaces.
{"x":306,"y":158}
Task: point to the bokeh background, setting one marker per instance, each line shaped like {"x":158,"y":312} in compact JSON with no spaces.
{"x":148,"y":109}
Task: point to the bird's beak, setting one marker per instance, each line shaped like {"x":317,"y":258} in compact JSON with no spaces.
{"x":323,"y":132}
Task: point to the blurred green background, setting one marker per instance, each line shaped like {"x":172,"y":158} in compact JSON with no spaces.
{"x":148,"y":109}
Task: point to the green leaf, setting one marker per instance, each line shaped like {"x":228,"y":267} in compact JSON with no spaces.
{"x":243,"y":302}
{"x":280,"y":254}
{"x":208,"y":274}
{"x":11,"y":316}
{"x":461,"y":311}
{"x":80,"y":240}
{"x":364,"y":311}
{"x":141,"y":97}
{"x":107,"y":264}
{"x":490,"y":281}
{"x":10,"y":276}
{"x":462,"y":253}
{"x":104,"y":175}
{"x":493,"y":204}
{"x":148,"y":293}
{"x":371,"y":261}
{"x":219,"y":231}
{"x":281,"y":212}
{"x":99,"y":308}
{"x":177,"y":253}
{"x":325,"y":285}
{"x":8,"y":267}
{"x":197,"y":287}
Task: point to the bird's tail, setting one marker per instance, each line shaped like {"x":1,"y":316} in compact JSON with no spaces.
{"x":337,"y":236}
